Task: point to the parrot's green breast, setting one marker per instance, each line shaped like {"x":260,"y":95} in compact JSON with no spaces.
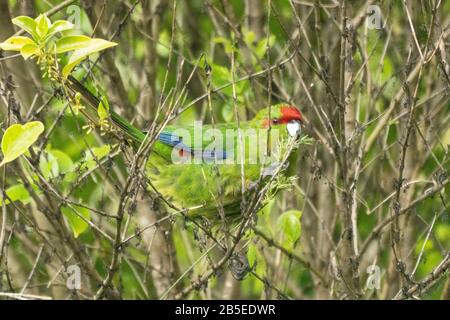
{"x":207,"y":185}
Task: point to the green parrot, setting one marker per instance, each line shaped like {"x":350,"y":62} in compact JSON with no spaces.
{"x":208,"y":168}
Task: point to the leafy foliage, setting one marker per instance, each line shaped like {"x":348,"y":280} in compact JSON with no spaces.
{"x":45,"y":41}
{"x":373,"y":176}
{"x":18,"y":138}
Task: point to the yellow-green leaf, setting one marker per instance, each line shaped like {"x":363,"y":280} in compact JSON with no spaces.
{"x":70,"y":43}
{"x":103,"y":108}
{"x":97,"y":152}
{"x":256,"y":260}
{"x":48,"y":165}
{"x":55,"y":162}
{"x":15,"y":43}
{"x":17,"y":193}
{"x":26,"y":23}
{"x":446,"y":138}
{"x":289,"y":224}
{"x":74,"y":215}
{"x":60,"y":26}
{"x":65,"y":163}
{"x":94,"y":45}
{"x":252,"y":254}
{"x":29,"y":50}
{"x":42,"y":25}
{"x":222,"y":76}
{"x":18,"y":138}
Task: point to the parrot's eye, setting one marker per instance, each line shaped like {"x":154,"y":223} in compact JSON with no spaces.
{"x":275,"y":121}
{"x":294,"y":128}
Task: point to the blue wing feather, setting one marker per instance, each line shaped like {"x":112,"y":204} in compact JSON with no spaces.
{"x":177,"y":142}
{"x":169,"y":138}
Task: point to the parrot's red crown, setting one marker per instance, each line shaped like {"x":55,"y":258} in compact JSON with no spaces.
{"x":290,"y":113}
{"x":286,"y":113}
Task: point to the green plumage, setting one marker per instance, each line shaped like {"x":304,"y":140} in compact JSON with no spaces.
{"x":212,"y":183}
{"x":219,"y":184}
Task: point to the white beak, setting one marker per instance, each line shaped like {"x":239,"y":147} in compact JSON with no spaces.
{"x":293,"y":128}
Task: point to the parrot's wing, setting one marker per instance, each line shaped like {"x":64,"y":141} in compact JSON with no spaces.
{"x":177,"y":142}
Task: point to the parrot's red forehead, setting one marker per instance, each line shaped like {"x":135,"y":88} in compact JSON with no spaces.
{"x":289,"y":113}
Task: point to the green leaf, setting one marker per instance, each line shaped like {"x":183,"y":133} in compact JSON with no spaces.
{"x":93,"y":46}
{"x":17,"y":192}
{"x":77,"y":224}
{"x":256,"y":259}
{"x":42,"y":25}
{"x":69,"y":177}
{"x":60,"y":26}
{"x":289,"y":224}
{"x":163,"y":45}
{"x":99,"y":153}
{"x":18,"y":138}
{"x":27,"y":24}
{"x":55,"y":162}
{"x":65,"y":163}
{"x":70,"y":43}
{"x":29,"y":50}
{"x":261,"y":48}
{"x":48,"y":165}
{"x":222,"y":76}
{"x":15,"y":43}
{"x":443,"y":233}
{"x":103,"y":108}
{"x":252,"y":253}
{"x":249,"y":37}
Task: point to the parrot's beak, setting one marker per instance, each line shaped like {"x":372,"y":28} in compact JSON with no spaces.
{"x":294,"y":128}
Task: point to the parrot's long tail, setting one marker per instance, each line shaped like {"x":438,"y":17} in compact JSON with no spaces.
{"x":94,"y":101}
